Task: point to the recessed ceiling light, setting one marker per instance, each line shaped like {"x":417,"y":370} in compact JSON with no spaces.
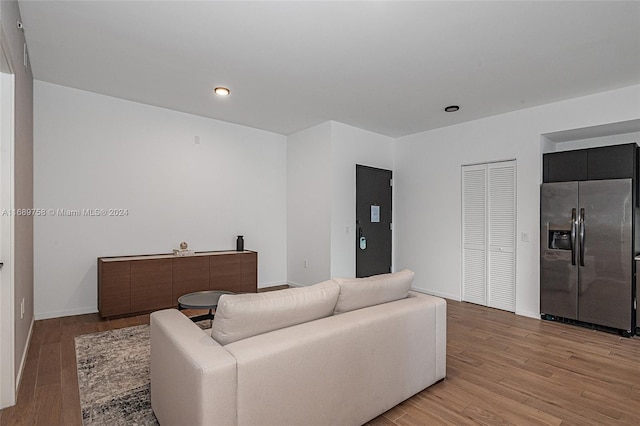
{"x":222,"y":91}
{"x":452,"y":108}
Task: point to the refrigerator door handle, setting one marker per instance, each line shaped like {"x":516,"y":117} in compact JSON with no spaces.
{"x":581,"y":232}
{"x":573,"y":236}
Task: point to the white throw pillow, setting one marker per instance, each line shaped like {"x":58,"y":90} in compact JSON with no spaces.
{"x":239,"y":316}
{"x":356,"y":293}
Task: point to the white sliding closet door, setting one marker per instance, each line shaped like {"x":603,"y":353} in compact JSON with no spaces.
{"x":489,"y":229}
{"x":501,"y":270}
{"x":474,"y":234}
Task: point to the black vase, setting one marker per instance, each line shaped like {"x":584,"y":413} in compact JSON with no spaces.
{"x":240,"y":243}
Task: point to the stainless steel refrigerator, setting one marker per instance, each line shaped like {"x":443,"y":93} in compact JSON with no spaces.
{"x":586,"y":253}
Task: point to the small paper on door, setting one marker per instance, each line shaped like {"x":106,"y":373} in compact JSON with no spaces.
{"x":375,"y":214}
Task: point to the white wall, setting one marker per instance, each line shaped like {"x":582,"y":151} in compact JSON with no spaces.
{"x":322,"y":197}
{"x":599,"y":141}
{"x":428,"y":186}
{"x":309,"y":205}
{"x":350,"y":146}
{"x":94,"y":151}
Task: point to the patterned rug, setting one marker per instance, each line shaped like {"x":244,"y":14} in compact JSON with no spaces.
{"x":113,"y":376}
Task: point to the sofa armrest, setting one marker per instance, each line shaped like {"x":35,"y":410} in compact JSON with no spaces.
{"x":193,"y":378}
{"x":441,"y":330}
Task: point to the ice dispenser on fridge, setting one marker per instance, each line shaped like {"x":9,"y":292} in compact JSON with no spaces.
{"x":560,"y":239}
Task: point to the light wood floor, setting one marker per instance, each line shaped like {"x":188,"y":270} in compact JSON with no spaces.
{"x":501,"y":369}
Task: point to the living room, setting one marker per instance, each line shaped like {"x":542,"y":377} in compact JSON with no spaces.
{"x":182,"y":176}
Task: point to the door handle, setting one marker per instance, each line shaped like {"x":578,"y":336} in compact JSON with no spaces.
{"x":581,"y":232}
{"x":362,"y":240}
{"x":573,"y":236}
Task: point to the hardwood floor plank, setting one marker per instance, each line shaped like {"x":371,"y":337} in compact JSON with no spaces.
{"x":437,"y":404}
{"x":490,"y":382}
{"x":380,"y":421}
{"x":48,"y":405}
{"x":626,"y":407}
{"x":49,"y":367}
{"x":573,"y":403}
{"x":394,"y":413}
{"x":69,"y":383}
{"x":561,"y":377}
{"x":510,"y":410}
{"x":568,"y":417}
{"x":422,"y":418}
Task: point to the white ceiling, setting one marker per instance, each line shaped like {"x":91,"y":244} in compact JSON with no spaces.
{"x":388,"y":67}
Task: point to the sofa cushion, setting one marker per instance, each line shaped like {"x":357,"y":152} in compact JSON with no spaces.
{"x":240,"y":316}
{"x":356,"y":293}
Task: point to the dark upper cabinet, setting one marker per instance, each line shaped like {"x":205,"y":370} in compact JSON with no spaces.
{"x":607,"y":162}
{"x":612,"y":162}
{"x":566,"y":166}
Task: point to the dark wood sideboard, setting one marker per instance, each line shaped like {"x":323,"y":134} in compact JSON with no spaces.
{"x":130,"y":285}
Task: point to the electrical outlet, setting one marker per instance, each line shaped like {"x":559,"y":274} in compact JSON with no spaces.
{"x":306,"y":263}
{"x":22,"y":309}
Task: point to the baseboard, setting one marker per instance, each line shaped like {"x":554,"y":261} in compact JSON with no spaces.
{"x":292,"y":284}
{"x":273,"y":288}
{"x":535,"y":315}
{"x":271,"y":284}
{"x":68,"y":313}
{"x":437,"y":293}
{"x":24,"y":357}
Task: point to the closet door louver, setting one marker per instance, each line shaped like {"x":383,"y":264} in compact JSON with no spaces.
{"x":474,"y":219}
{"x":488,"y":222}
{"x":501,"y":236}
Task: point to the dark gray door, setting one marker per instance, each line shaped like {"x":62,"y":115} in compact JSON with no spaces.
{"x":558,"y":249}
{"x":373,"y":221}
{"x":604,"y":233}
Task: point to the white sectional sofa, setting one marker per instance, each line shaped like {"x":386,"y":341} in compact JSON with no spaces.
{"x":336,"y":353}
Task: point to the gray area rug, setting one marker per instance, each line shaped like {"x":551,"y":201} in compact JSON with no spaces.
{"x":113,"y":376}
